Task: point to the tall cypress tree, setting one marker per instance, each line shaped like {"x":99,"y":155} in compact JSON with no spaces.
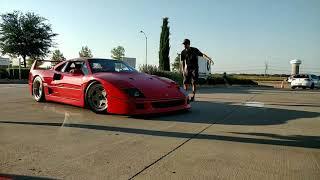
{"x":164,"y":60}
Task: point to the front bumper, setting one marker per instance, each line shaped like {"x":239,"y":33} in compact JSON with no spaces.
{"x":146,"y":106}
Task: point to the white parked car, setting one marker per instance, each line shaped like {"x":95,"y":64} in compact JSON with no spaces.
{"x":305,"y":81}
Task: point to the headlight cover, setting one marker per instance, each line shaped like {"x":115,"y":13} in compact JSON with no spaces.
{"x":134,"y":92}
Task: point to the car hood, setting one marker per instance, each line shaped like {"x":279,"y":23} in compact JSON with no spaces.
{"x":153,"y":87}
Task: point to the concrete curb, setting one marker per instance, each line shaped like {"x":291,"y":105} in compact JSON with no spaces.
{"x":13,"y":81}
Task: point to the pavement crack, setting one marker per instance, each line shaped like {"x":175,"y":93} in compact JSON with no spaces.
{"x":189,"y":139}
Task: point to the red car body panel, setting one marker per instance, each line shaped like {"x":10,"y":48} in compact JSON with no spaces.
{"x":161,"y":94}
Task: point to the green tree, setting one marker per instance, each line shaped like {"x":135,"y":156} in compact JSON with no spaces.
{"x":25,"y":35}
{"x":85,"y":52}
{"x":57,"y":56}
{"x":176,"y":66}
{"x":117,"y":53}
{"x":30,"y":61}
{"x":164,"y":60}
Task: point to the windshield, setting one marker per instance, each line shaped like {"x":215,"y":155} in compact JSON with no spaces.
{"x":301,"y":76}
{"x":107,"y":65}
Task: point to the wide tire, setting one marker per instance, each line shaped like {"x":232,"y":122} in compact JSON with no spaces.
{"x":312,"y":86}
{"x":293,"y":87}
{"x":38,"y":90}
{"x":96,"y":98}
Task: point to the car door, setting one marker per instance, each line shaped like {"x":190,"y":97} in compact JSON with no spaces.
{"x":54,"y":82}
{"x":69,"y":84}
{"x":72,"y":82}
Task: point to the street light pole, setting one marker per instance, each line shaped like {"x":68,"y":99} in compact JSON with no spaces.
{"x":19,"y":69}
{"x":146,"y":46}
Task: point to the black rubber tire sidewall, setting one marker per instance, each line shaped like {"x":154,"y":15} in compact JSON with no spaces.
{"x":87,"y":99}
{"x":42,"y":97}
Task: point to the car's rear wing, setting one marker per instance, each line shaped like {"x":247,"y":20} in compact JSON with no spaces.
{"x":44,"y":64}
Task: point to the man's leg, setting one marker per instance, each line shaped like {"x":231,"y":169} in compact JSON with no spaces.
{"x":186,"y":81}
{"x":194,"y":84}
{"x":194,"y":88}
{"x":193,"y":91}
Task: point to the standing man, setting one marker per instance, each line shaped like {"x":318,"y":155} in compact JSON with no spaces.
{"x":190,"y":67}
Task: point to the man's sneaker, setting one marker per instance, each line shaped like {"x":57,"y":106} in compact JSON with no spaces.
{"x":192,"y":99}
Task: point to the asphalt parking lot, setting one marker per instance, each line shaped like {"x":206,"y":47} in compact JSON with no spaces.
{"x":230,"y":133}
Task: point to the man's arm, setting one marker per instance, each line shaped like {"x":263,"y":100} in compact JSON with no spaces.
{"x":207,"y":58}
{"x":204,"y":55}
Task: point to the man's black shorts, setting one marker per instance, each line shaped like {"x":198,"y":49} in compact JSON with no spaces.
{"x":191,"y":76}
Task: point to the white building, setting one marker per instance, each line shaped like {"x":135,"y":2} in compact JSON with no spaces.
{"x":4,"y":62}
{"x":130,"y":61}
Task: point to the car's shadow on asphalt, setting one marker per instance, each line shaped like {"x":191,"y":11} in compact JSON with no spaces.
{"x":292,"y":141}
{"x":211,"y":113}
{"x":234,"y":114}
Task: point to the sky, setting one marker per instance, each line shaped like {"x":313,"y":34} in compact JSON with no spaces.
{"x":240,"y":35}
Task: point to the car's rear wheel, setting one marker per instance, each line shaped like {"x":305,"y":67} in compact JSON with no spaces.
{"x":304,"y":87}
{"x":293,"y":87}
{"x":312,"y":86}
{"x":96,"y":98}
{"x":37,"y":90}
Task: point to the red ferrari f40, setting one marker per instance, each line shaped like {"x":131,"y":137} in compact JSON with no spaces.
{"x":105,"y":85}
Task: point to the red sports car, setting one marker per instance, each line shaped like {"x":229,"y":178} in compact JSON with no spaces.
{"x":105,"y":85}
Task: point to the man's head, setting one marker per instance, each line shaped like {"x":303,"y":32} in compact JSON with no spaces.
{"x":186,"y":43}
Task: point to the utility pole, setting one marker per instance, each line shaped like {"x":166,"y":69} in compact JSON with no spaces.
{"x":266,"y":65}
{"x":19,"y":69}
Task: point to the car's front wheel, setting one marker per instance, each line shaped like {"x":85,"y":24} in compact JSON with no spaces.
{"x":37,"y":90}
{"x":293,"y":87}
{"x":96,"y":98}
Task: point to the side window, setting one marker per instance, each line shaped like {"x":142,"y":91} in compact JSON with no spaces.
{"x":69,"y":67}
{"x":74,"y":66}
{"x":121,"y":67}
{"x":85,"y":69}
{"x":60,"y":67}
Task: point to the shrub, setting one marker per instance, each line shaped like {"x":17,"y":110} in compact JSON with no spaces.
{"x":218,"y":79}
{"x":153,"y":70}
{"x":177,"y":77}
{"x":149,"y":69}
{"x":212,"y":79}
{"x":14,"y":73}
{"x":4,"y":73}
